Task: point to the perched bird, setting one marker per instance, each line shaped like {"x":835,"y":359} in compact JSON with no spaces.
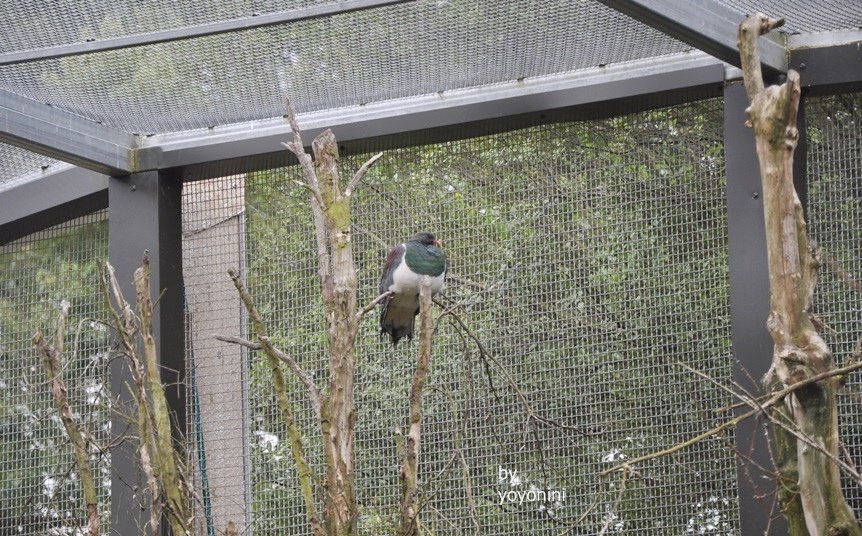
{"x":405,"y":265}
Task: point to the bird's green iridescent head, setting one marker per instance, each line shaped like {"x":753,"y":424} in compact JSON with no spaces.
{"x":424,"y":256}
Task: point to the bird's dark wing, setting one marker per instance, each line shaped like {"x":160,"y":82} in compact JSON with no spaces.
{"x":389,"y":267}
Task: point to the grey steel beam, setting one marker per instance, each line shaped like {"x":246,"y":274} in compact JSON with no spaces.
{"x":749,"y":308}
{"x":60,"y":134}
{"x":45,"y":201}
{"x":144,"y":214}
{"x":829,"y":69}
{"x":188,"y":32}
{"x":709,"y":25}
{"x":586,"y":88}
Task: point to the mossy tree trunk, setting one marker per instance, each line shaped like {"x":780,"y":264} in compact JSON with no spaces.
{"x":330,"y":203}
{"x":339,"y":297}
{"x":806,"y":431}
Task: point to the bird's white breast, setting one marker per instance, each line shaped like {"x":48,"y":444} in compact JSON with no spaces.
{"x":405,"y":280}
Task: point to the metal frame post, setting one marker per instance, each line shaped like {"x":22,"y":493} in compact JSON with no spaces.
{"x":145,"y":213}
{"x":749,"y":308}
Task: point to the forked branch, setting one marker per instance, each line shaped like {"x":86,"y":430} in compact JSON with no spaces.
{"x":749,"y":31}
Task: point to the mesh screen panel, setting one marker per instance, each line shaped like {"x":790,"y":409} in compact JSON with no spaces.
{"x":218,"y":417}
{"x":835,"y":222}
{"x":40,"y":492}
{"x":591,"y":260}
{"x":30,"y":25}
{"x":344,"y":60}
{"x":16,"y":163}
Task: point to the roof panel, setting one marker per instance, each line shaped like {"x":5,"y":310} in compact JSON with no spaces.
{"x":17,"y":163}
{"x":31,"y":25}
{"x":417,"y":48}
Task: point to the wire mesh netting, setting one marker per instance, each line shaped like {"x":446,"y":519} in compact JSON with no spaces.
{"x":590,"y":259}
{"x":33,"y":25}
{"x":17,"y":163}
{"x":416,"y":48}
{"x":40,"y":491}
{"x":835,"y":222}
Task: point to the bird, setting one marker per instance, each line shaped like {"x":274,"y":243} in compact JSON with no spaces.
{"x":402,"y":272}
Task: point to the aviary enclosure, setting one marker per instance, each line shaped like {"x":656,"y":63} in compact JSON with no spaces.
{"x":587,"y":167}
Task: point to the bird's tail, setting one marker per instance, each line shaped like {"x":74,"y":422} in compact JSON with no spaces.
{"x":397,"y":322}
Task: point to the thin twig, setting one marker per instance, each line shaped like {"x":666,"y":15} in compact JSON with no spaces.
{"x":351,"y":184}
{"x":772,"y":400}
{"x":266,"y":345}
{"x":239,"y":341}
{"x":610,"y":515}
{"x":365,"y":310}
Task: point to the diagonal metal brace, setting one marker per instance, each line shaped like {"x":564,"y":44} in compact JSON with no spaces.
{"x":707,"y":25}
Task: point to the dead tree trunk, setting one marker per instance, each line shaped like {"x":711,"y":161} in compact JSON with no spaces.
{"x":330,"y":206}
{"x":158,"y":457}
{"x":334,"y":408}
{"x":812,"y":499}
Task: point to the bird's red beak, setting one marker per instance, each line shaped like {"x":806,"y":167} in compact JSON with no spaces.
{"x":438,"y":243}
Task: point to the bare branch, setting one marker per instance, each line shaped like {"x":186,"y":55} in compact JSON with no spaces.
{"x":51,"y":361}
{"x":314,"y":193}
{"x":297,"y":147}
{"x":125,"y":325}
{"x":303,"y":469}
{"x":165,"y":463}
{"x":239,"y":341}
{"x":267,"y":346}
{"x":313,"y":185}
{"x":410,"y":462}
{"x":354,"y":181}
{"x":365,"y":310}
{"x":609,"y":516}
{"x":749,"y":32}
{"x":774,"y":398}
